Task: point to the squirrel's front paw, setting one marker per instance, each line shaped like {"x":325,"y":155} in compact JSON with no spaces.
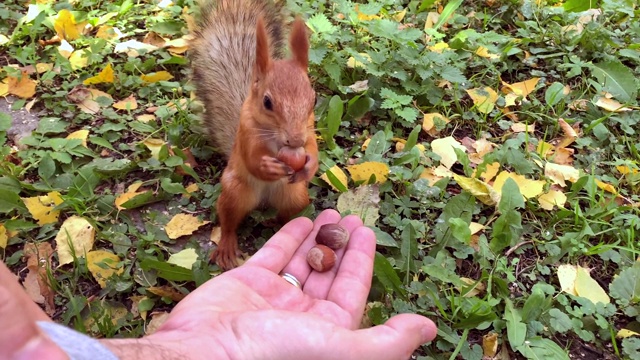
{"x":307,"y":172}
{"x":273,"y":169}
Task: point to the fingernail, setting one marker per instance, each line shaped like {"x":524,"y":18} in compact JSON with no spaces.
{"x":429,"y":331}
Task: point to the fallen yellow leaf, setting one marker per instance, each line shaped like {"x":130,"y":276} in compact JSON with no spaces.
{"x":80,"y":134}
{"x":154,"y":145}
{"x":490,"y":171}
{"x":522,"y":88}
{"x":625,"y":333}
{"x":433,"y":122}
{"x":444,"y":147}
{"x":484,"y":98}
{"x":552,"y":198}
{"x":75,"y":233}
{"x":41,"y":207}
{"x":479,"y":189}
{"x":528,"y":188}
{"x":106,"y":75}
{"x":567,"y":277}
{"x":490,"y":345}
{"x":338,"y":173}
{"x":624,"y":170}
{"x":184,"y":258}
{"x":353,"y":63}
{"x":78,"y":59}
{"x":559,"y":173}
{"x":102,"y":265}
{"x":606,"y":187}
{"x":132,"y":191}
{"x":145,"y":118}
{"x":363,"y":171}
{"x":4,"y":237}
{"x":588,"y":288}
{"x":611,"y":105}
{"x":65,"y":25}
{"x":484,"y":52}
{"x":156,"y":76}
{"x":522,"y":127}
{"x":183,"y":224}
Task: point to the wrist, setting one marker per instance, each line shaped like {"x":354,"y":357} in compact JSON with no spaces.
{"x":166,"y":345}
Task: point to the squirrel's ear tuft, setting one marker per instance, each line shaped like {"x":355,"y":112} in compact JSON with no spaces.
{"x":299,"y":43}
{"x":263,"y":59}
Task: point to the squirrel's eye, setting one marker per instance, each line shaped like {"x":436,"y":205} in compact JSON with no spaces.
{"x":267,"y":103}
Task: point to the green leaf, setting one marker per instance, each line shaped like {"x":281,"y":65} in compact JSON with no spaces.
{"x":626,"y":286}
{"x":506,"y":231}
{"x":171,"y":187}
{"x":382,"y":238}
{"x":511,"y":197}
{"x":334,"y":115}
{"x":460,"y":230}
{"x":616,"y":79}
{"x":9,"y":201}
{"x":359,"y":106}
{"x":320,"y":24}
{"x":5,"y":121}
{"x":448,"y":10}
{"x":101,"y":142}
{"x":533,"y":308}
{"x":408,"y":246}
{"x":336,"y":182}
{"x":387,"y":275}
{"x":560,"y":321}
{"x":167,"y":271}
{"x":412,"y":139}
{"x":579,"y":5}
{"x":542,"y":349}
{"x":516,"y":329}
{"x":168,"y":27}
{"x":553,"y":95}
{"x":47,"y":167}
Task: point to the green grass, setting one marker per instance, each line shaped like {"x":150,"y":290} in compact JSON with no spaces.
{"x":502,"y":279}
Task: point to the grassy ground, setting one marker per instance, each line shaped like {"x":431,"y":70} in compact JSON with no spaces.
{"x":492,"y":145}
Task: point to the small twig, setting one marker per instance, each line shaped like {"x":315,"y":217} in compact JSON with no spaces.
{"x":517,"y":246}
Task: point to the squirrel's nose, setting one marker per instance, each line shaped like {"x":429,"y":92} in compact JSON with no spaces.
{"x":295,"y":142}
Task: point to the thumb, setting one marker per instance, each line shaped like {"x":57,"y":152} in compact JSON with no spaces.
{"x":398,"y":338}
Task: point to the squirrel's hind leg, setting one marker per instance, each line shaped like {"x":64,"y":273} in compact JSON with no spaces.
{"x":235,"y":202}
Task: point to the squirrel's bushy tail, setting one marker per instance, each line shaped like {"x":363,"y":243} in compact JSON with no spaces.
{"x":222,"y":56}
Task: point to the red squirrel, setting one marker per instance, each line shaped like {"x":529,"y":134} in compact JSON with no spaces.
{"x":256,"y":102}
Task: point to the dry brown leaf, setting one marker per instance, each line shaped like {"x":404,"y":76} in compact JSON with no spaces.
{"x":36,"y":282}
{"x":22,"y":87}
{"x":166,"y":291}
{"x":129,"y":103}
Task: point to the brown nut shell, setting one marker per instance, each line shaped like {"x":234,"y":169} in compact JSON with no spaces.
{"x":294,"y":157}
{"x":335,"y":236}
{"x":321,"y":258}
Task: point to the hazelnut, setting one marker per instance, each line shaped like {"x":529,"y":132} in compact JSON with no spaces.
{"x":335,"y":236}
{"x":294,"y":157}
{"x":321,"y":258}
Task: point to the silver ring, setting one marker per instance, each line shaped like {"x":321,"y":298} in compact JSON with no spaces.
{"x":292,"y":280}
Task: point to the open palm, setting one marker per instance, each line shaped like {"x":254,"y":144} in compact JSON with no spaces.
{"x":252,"y":313}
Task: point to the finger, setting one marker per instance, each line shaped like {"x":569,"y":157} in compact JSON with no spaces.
{"x":398,"y":338}
{"x":298,"y":265}
{"x":353,"y":279}
{"x":277,"y":251}
{"x":20,"y":338}
{"x":318,"y":284}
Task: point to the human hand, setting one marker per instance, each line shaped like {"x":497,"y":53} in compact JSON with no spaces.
{"x":251,"y":312}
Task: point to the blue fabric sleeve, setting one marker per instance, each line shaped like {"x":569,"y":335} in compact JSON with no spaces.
{"x":77,"y":345}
